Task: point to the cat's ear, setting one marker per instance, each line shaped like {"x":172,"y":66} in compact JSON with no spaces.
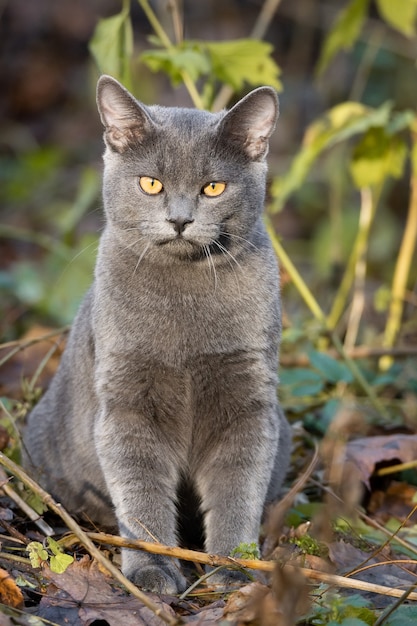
{"x":125,"y":120}
{"x":252,"y":121}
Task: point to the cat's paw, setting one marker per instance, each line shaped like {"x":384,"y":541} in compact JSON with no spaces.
{"x":227,"y":578}
{"x":157,"y":580}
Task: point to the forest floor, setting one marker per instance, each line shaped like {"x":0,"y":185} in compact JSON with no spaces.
{"x":341,"y":547}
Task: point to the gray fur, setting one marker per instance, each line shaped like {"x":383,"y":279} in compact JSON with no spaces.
{"x":171,"y":366}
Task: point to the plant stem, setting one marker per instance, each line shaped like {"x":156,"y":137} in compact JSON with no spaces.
{"x":317,"y":312}
{"x":339,"y":302}
{"x":358,"y":300}
{"x":297,"y":280}
{"x":402,"y":267}
{"x":85,"y":540}
{"x":155,"y":23}
{"x":166,"y":42}
{"x":263,"y":20}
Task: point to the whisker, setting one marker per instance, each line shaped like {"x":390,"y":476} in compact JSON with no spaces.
{"x":211,"y":264}
{"x":233,"y":236}
{"x":141,"y":257}
{"x":225,"y":251}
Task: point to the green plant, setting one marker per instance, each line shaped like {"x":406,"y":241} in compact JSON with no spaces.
{"x":52,"y":554}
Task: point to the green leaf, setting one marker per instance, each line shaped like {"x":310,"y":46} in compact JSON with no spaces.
{"x":334,"y":371}
{"x":349,"y":621}
{"x":187,"y":57}
{"x":338,"y":124}
{"x":345,"y":31}
{"x":400,"y":14}
{"x":302,"y":381}
{"x":112,"y":45}
{"x":244,"y":61}
{"x":60,"y":562}
{"x":376,"y":157}
{"x":405,"y":615}
{"x":400,"y":121}
{"x":37,"y":553}
{"x":246,"y":551}
{"x":54,"y":546}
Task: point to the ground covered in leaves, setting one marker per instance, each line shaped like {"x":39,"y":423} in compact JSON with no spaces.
{"x":341,"y":548}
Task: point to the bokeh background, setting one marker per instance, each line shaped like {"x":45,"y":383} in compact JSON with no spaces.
{"x":50,"y":147}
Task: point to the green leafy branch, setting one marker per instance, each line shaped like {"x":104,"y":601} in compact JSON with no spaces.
{"x":228,"y":63}
{"x":379,"y":154}
{"x":348,"y":25}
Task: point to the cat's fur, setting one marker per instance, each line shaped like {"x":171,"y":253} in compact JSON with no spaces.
{"x":170,"y":371}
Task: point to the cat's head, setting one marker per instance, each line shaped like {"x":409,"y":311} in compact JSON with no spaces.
{"x":184,"y":183}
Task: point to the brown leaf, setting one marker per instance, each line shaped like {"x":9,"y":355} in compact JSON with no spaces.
{"x":259,"y":605}
{"x":86,"y":594}
{"x":367,"y":452}
{"x":396,"y":501}
{"x":10,"y":593}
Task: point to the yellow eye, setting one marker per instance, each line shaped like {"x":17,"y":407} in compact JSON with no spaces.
{"x":214,"y":189}
{"x":151,"y":186}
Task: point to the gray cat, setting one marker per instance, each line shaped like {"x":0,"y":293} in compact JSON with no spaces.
{"x":169,"y":378}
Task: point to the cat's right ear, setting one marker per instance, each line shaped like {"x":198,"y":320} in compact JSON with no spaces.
{"x":125,"y":121}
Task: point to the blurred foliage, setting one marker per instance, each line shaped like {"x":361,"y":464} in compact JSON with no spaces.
{"x":350,"y":259}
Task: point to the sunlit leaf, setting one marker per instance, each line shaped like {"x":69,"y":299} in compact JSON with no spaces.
{"x":244,"y":61}
{"x":233,"y":62}
{"x":54,"y":546}
{"x":345,"y":31}
{"x":184,"y":58}
{"x":112,"y":45}
{"x":400,"y":14}
{"x":60,"y":562}
{"x":376,"y":157}
{"x":338,"y":124}
{"x":37,"y":553}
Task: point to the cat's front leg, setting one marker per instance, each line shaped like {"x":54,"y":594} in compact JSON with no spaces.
{"x":233,"y":485}
{"x":141,"y":473}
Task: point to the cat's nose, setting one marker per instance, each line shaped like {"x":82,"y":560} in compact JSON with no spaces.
{"x":179,"y":223}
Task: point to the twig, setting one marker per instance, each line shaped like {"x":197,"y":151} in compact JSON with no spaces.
{"x":358,"y":352}
{"x":85,"y":540}
{"x":255,"y":564}
{"x":21,"y":344}
{"x":190,"y":555}
{"x":391,"y":536}
{"x":27,"y":510}
{"x":14,"y":557}
{"x":390,"y":609}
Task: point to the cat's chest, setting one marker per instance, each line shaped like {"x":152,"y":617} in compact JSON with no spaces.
{"x":174,"y":321}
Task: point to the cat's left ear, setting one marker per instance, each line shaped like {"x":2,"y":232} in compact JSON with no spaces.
{"x":252,"y":121}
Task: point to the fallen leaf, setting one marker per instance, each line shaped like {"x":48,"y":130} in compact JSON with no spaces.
{"x":396,"y":501}
{"x":366,"y":453}
{"x":83,"y":594}
{"x":348,"y":558}
{"x":10,"y":593}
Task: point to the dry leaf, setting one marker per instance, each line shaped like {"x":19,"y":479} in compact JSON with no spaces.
{"x":10,"y":593}
{"x":366,"y":453}
{"x":84,"y":594}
